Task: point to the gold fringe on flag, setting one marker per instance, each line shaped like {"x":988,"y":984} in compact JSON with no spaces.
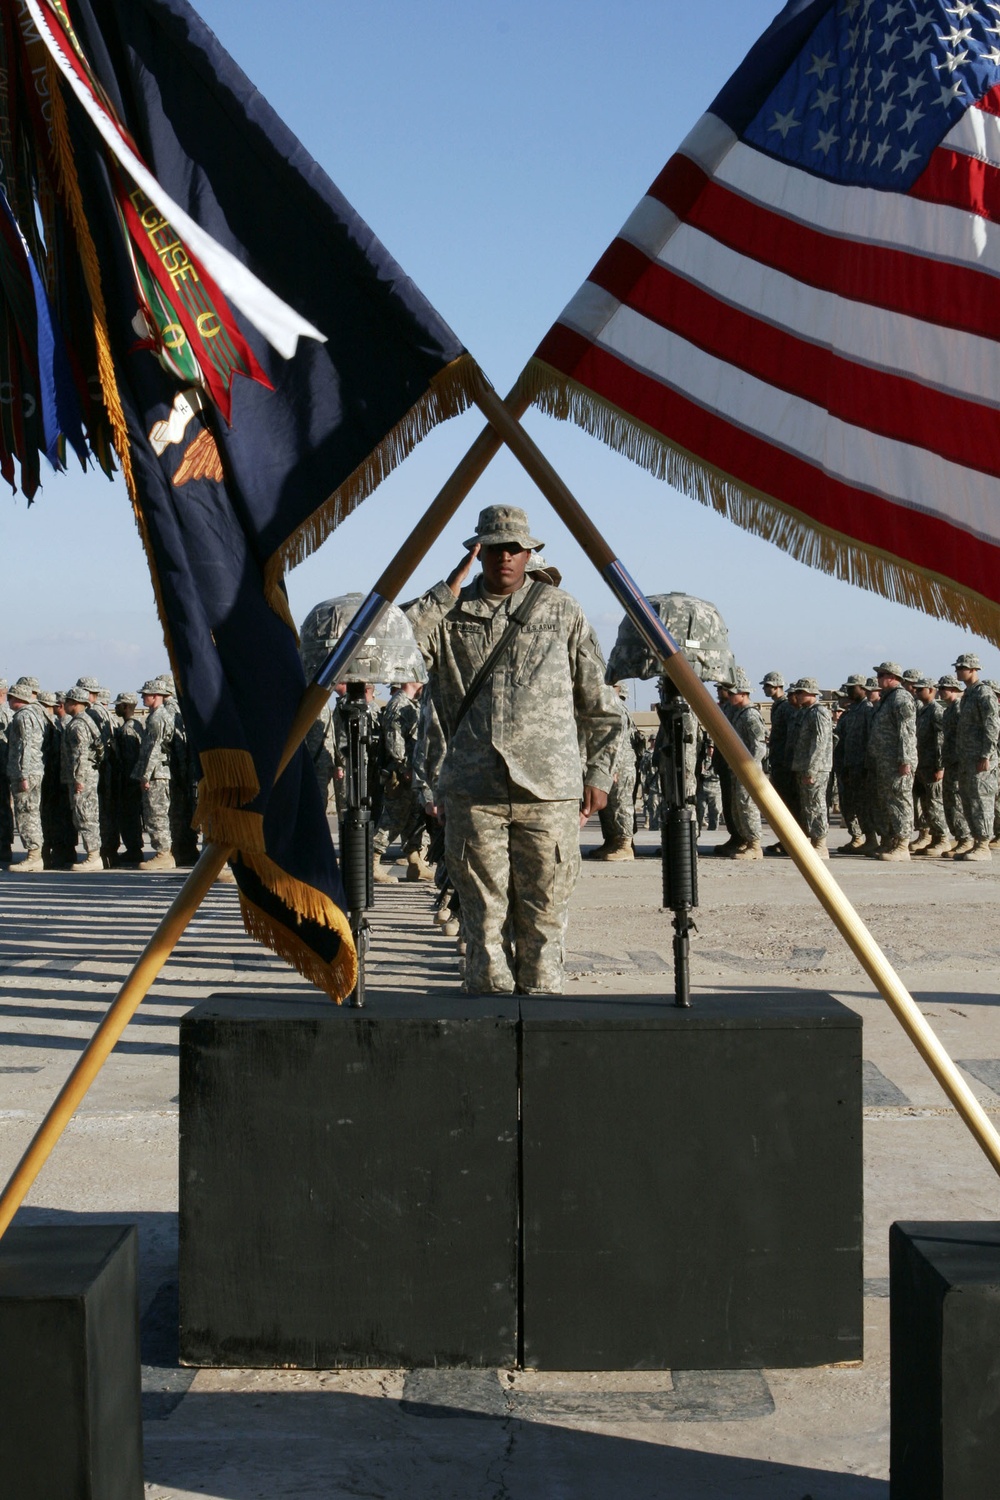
{"x":801,"y":537}
{"x":337,"y":979}
{"x":451,"y":392}
{"x":229,"y":779}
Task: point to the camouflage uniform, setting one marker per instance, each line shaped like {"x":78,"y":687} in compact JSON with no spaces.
{"x":618,"y":818}
{"x":128,"y":793}
{"x":779,"y":765}
{"x":183,"y":788}
{"x":812,"y":761}
{"x":153,"y":766}
{"x":6,"y":811}
{"x":951,"y":793}
{"x":892,"y":743}
{"x":402,"y":815}
{"x":100,"y":715}
{"x":749,"y":725}
{"x":82,"y":752}
{"x":708,"y":797}
{"x":930,"y":745}
{"x":511,"y":780}
{"x":853,"y":732}
{"x":319,"y":743}
{"x":28,"y":737}
{"x":978,"y":730}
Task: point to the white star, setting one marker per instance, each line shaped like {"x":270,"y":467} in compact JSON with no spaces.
{"x":962,"y":9}
{"x":821,"y":65}
{"x":888,"y":74}
{"x":852,"y":108}
{"x":993,"y":31}
{"x":825,"y":140}
{"x":850,"y":147}
{"x":881,"y":152}
{"x":825,"y":99}
{"x":864,"y":148}
{"x":912,"y":116}
{"x":867,"y":75}
{"x":784,"y":123}
{"x":993,"y":56}
{"x":892,"y":11}
{"x":955,"y":36}
{"x":905,"y":157}
{"x":952,"y":62}
{"x":886,"y":111}
{"x":919,"y":48}
{"x":889,"y":40}
{"x":869,"y":101}
{"x":912,"y":86}
{"x":852,"y":76}
{"x":852,"y":37}
{"x":952,"y":92}
{"x":919,"y":22}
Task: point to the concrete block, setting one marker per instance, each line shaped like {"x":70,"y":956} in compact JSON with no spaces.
{"x":692,"y":1191}
{"x":70,"y":1398}
{"x":944,"y":1317}
{"x":348,"y":1183}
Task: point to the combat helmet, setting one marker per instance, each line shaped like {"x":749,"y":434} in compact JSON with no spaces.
{"x":389,"y":653}
{"x":696,"y":626}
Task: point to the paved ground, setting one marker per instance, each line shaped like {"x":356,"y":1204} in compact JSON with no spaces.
{"x":65,"y":944}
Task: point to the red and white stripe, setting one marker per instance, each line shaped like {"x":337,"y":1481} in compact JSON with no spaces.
{"x":835,"y":347}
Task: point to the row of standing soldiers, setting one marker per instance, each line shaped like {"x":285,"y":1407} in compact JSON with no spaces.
{"x":74,"y":771}
{"x":914,"y":761}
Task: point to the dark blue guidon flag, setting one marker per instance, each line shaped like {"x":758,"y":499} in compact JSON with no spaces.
{"x":224,"y":506}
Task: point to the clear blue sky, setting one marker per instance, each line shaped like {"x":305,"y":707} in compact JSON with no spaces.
{"x":495,"y":149}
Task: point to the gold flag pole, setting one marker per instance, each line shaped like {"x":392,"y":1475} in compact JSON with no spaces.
{"x":814,"y":870}
{"x":214,"y":856}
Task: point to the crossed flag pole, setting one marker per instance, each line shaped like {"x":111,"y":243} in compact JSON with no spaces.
{"x":504,"y":428}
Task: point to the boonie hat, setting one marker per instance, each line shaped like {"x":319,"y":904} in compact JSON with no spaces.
{"x":949,"y":680}
{"x":805,"y":685}
{"x":772,"y":679}
{"x":22,"y":689}
{"x":738,"y":681}
{"x":888,"y":669}
{"x":31,"y":681}
{"x":969,"y":659}
{"x":855,"y":680}
{"x":127,"y":698}
{"x":78,"y":694}
{"x":912,"y":675}
{"x":48,"y":699}
{"x":90,"y":684}
{"x":154,"y":685}
{"x":500,"y":525}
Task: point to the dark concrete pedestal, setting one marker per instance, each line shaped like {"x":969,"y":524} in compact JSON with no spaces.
{"x":692,"y":1183}
{"x":70,"y":1399}
{"x":945,"y":1361}
{"x":681,"y":1189}
{"x":348,"y":1184}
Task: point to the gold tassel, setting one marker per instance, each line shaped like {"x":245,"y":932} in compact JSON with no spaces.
{"x":233,"y":826}
{"x":805,"y":540}
{"x":451,"y":391}
{"x":229,"y":778}
{"x":337,"y":979}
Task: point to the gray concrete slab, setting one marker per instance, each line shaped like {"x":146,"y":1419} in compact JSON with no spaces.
{"x":65,"y":944}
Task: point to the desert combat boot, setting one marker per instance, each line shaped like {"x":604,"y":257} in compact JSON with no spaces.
{"x":31,"y":862}
{"x":617,"y":849}
{"x":749,"y":851}
{"x":91,"y":861}
{"x":898,"y":849}
{"x":979,"y":850}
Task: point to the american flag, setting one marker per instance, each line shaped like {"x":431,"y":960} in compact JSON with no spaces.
{"x":800,"y":322}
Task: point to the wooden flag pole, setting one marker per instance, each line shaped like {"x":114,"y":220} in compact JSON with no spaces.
{"x":816,"y":874}
{"x":214,"y":856}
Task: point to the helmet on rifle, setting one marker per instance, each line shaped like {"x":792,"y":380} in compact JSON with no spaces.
{"x":389,"y":653}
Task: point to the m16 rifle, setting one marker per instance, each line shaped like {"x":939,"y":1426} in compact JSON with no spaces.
{"x":391,"y":654}
{"x":701,"y":634}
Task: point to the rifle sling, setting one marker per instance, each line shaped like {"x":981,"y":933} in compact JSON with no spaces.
{"x":518,"y":617}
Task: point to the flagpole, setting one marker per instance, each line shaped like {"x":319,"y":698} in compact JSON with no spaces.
{"x":743,"y":765}
{"x":214,"y":856}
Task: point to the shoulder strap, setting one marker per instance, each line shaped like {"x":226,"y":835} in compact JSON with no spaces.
{"x":518,"y":617}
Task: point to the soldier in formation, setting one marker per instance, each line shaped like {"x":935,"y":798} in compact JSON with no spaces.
{"x":744,"y":817}
{"x":82,"y":754}
{"x":402,"y":813}
{"x":152,"y":771}
{"x":29,"y":735}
